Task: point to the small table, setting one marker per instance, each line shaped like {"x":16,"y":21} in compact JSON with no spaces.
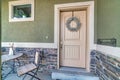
{"x":10,"y":57}
{"x":7,"y":57}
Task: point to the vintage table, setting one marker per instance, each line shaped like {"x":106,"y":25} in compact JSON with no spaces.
{"x":10,"y":57}
{"x":7,"y":58}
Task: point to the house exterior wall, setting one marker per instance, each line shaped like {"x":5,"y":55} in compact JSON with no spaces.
{"x":105,"y":66}
{"x":108,"y":19}
{"x":32,"y":31}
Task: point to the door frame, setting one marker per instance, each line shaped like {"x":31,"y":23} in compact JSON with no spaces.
{"x":89,"y":5}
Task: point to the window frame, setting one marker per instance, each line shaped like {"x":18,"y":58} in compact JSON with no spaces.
{"x":21,"y":2}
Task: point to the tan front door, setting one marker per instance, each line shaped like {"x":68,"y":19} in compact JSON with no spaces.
{"x":73,"y":43}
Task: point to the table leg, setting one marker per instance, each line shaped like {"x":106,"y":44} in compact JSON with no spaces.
{"x":4,"y":73}
{"x":13,"y":66}
{"x":18,"y":62}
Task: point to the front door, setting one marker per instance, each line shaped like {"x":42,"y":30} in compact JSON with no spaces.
{"x":73,"y":43}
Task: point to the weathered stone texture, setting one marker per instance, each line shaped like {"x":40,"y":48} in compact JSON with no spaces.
{"x":49,"y":56}
{"x":107,"y":67}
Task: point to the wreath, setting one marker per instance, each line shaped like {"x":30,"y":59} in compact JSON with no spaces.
{"x":75,"y":19}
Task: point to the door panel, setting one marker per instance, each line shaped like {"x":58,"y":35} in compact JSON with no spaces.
{"x":69,"y":35}
{"x":70,"y":50}
{"x":73,"y":43}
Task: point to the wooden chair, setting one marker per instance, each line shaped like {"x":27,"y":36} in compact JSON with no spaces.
{"x":30,"y":69}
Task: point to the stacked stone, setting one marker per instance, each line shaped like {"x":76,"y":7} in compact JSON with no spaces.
{"x":93,"y":62}
{"x":50,"y":56}
{"x":107,"y":67}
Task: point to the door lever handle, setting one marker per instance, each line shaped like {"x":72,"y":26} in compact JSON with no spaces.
{"x":61,"y":46}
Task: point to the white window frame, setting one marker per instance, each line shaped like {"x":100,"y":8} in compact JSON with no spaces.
{"x":21,"y":2}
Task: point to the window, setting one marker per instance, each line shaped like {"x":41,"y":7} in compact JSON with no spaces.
{"x":22,"y":10}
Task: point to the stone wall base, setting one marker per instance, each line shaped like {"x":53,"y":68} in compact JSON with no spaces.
{"x":107,"y":67}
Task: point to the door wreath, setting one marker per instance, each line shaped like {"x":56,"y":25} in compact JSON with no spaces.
{"x":71,"y":28}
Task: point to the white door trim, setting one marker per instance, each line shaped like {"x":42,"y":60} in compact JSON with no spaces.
{"x":109,"y":50}
{"x":90,"y":38}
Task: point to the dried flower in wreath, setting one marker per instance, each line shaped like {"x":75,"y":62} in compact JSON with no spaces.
{"x":76,"y":20}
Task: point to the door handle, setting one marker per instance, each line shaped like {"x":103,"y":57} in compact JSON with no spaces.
{"x":61,"y":44}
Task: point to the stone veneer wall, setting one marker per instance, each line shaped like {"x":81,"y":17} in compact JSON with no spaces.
{"x":50,"y":55}
{"x":105,"y":66}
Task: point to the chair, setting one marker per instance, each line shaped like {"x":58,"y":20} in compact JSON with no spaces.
{"x":30,"y":69}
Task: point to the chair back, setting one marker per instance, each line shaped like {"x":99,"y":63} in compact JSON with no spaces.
{"x":36,"y":58}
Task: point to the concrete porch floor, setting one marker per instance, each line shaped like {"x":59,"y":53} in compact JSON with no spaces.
{"x":42,"y":76}
{"x":61,"y":74}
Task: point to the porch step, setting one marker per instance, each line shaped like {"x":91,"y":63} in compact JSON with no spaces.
{"x":73,"y":75}
{"x":63,"y":76}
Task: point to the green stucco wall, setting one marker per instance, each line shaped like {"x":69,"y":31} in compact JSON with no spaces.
{"x":29,"y":31}
{"x":32,"y":31}
{"x":108,"y":19}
